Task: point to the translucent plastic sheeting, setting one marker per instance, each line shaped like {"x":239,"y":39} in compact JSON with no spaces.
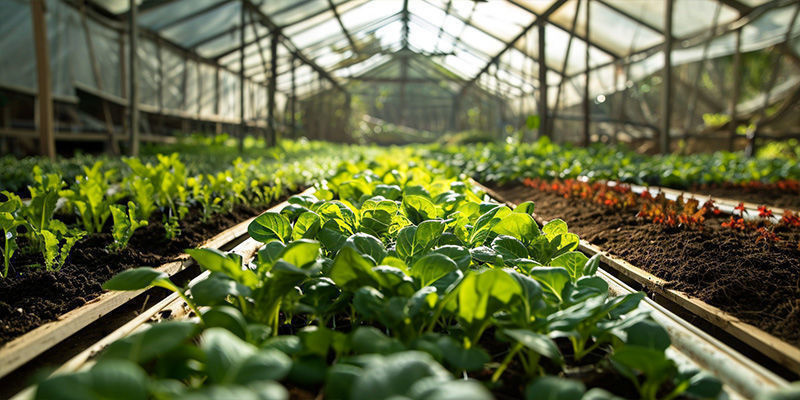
{"x":68,"y":52}
{"x":149,"y":73}
{"x":173,"y":81}
{"x":207,"y":94}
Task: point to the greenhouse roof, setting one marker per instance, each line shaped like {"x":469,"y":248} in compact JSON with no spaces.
{"x":491,"y":43}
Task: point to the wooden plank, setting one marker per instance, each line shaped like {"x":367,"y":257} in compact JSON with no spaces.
{"x":44,"y":98}
{"x":776,"y":349}
{"x":26,"y":347}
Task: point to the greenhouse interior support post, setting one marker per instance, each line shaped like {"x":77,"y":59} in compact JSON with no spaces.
{"x":47,"y":143}
{"x":586,"y":104}
{"x":273,"y":77}
{"x":544,"y":121}
{"x":565,"y":64}
{"x":454,"y":112}
{"x":293,"y":103}
{"x":133,"y":92}
{"x":737,"y":83}
{"x":666,"y":93}
{"x":242,"y":15}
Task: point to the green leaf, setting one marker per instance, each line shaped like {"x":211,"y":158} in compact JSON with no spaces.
{"x":518,"y":225}
{"x":427,"y":233}
{"x":215,"y":290}
{"x":554,"y":388}
{"x":225,"y":352}
{"x":394,"y":375}
{"x":459,"y":254}
{"x":525,"y":208}
{"x":226,"y":317}
{"x":368,"y":246}
{"x":552,"y":279}
{"x":573,"y":262}
{"x":391,"y":192}
{"x":418,"y":208}
{"x":152,"y":343}
{"x":369,"y":340}
{"x":307,"y":226}
{"x":301,"y":252}
{"x":480,"y":294}
{"x":486,"y":222}
{"x":135,"y":279}
{"x":270,"y":226}
{"x":229,"y":264}
{"x":509,"y":248}
{"x":539,"y":343}
{"x":331,"y":236}
{"x":459,"y":358}
{"x":554,"y":228}
{"x":591,"y":266}
{"x":648,"y":333}
{"x":405,"y":242}
{"x":431,"y":267}
{"x":350,"y":270}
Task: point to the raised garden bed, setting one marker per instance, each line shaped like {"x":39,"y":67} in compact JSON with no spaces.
{"x":753,"y":280}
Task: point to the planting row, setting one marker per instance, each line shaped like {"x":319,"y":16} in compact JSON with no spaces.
{"x":394,"y":280}
{"x":772,"y":180}
{"x":60,"y":245}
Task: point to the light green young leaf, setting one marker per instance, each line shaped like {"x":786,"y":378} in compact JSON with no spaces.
{"x":431,"y":267}
{"x":270,"y":226}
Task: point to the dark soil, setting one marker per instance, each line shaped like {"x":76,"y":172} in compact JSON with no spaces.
{"x":772,"y":197}
{"x":30,"y":297}
{"x":758,"y":282}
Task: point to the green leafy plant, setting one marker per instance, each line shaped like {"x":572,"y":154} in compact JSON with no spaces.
{"x":125,"y":224}
{"x":9,"y":221}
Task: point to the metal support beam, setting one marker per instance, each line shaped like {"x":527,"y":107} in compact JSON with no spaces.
{"x":266,"y":21}
{"x":273,"y":78}
{"x":341,"y":25}
{"x":566,"y":62}
{"x":666,"y":91}
{"x":170,"y":23}
{"x":242,"y":125}
{"x":404,"y":62}
{"x":553,"y":8}
{"x":737,"y":87}
{"x":544,"y":120}
{"x":133,"y":82}
{"x":587,"y":134}
{"x":44,"y":98}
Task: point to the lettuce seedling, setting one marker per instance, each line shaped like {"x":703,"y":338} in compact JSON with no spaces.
{"x":91,"y":198}
{"x":125,"y":223}
{"x":9,"y":221}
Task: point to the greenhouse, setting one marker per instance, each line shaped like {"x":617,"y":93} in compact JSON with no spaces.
{"x":400,"y":199}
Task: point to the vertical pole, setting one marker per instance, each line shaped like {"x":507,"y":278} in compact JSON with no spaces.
{"x":586,"y":102}
{"x":133,"y":92}
{"x":348,"y":111}
{"x":293,"y":105}
{"x":666,"y":94}
{"x":218,"y":125}
{"x":241,"y":77}
{"x":737,"y":83}
{"x":454,"y":112}
{"x":47,"y":143}
{"x":273,"y":76}
{"x":544,"y":121}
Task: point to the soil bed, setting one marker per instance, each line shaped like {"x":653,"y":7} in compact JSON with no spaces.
{"x":771,"y":197}
{"x":758,"y":282}
{"x":30,"y":297}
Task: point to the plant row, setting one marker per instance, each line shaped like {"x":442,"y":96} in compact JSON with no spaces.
{"x":132,"y":194}
{"x":681,"y":212}
{"x":394,"y":280}
{"x":503,"y":163}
